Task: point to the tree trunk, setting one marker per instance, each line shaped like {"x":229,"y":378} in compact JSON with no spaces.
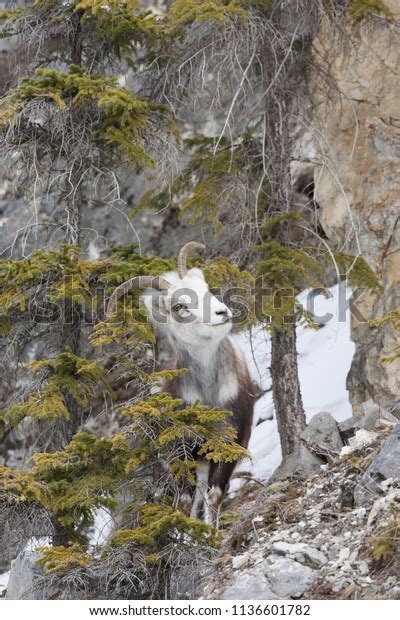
{"x":277,"y":144}
{"x":70,"y":335}
{"x":60,"y":536}
{"x":286,"y":389}
{"x":69,"y":339}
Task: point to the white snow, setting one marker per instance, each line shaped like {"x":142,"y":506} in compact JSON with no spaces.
{"x":103,"y":525}
{"x":324,"y":358}
{"x":4,"y":577}
{"x":36,"y":541}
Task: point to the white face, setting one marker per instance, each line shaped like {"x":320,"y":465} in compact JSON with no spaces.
{"x":189,"y":311}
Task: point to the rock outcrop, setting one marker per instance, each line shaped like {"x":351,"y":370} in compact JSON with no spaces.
{"x":382,"y":472}
{"x":357,"y":187}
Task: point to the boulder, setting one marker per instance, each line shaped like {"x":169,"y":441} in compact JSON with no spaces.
{"x":369,"y":414}
{"x":299,"y":465}
{"x":348,"y":428}
{"x":322,"y":435}
{"x":276,"y":578}
{"x":251,"y":584}
{"x":384,"y":467}
{"x":240,"y":560}
{"x":288,"y":578}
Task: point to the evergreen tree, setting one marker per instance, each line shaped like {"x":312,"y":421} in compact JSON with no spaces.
{"x":70,"y":127}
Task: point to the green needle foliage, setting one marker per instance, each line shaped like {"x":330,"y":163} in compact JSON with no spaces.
{"x":63,"y":559}
{"x":204,"y":183}
{"x":174,"y":428}
{"x":72,"y":483}
{"x":116,"y":26}
{"x":186,"y":12}
{"x":137,"y":559}
{"x":361,"y":10}
{"x":158,"y":521}
{"x":122,"y":22}
{"x":67,"y":374}
{"x":121,"y":117}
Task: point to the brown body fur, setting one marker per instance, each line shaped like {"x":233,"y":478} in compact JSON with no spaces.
{"x":205,"y":381}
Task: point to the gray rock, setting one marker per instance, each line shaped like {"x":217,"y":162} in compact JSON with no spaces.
{"x":288,"y":578}
{"x":276,"y":578}
{"x":367,"y":88}
{"x":281,"y":547}
{"x":23,"y":577}
{"x":313,"y":556}
{"x":370,"y":413}
{"x":363,"y":568}
{"x":250,"y":584}
{"x":391,"y":582}
{"x":387,"y":419}
{"x":301,"y":552}
{"x":368,"y":417}
{"x":300,"y":465}
{"x":361,"y":440}
{"x":322,"y":435}
{"x":348,"y":428}
{"x":240,"y":560}
{"x":344,"y":554}
{"x":384,"y":466}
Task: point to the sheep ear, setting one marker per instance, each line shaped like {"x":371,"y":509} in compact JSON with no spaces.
{"x":196,"y":273}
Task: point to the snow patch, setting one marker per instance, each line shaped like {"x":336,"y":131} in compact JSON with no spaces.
{"x":324,"y":358}
{"x":101,"y":530}
{"x":4,"y":577}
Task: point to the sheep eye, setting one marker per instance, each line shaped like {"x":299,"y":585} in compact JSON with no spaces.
{"x":178,"y":307}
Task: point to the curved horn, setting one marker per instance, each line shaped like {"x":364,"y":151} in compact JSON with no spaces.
{"x":183,"y":254}
{"x":139,"y":282}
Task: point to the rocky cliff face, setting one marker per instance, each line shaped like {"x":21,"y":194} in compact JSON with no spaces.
{"x":357,"y":186}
